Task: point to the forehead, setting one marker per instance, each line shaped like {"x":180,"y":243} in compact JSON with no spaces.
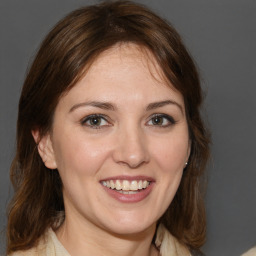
{"x":121,"y":71}
{"x":130,"y":54}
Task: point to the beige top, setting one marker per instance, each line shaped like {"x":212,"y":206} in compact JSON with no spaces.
{"x":49,"y":245}
{"x":251,"y":252}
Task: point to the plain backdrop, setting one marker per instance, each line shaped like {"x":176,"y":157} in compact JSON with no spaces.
{"x":221,"y":35}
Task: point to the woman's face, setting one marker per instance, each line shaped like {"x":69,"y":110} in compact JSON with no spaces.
{"x":120,"y":142}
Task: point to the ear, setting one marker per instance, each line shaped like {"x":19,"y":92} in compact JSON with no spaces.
{"x":45,"y":149}
{"x":189,"y":149}
{"x":188,"y":153}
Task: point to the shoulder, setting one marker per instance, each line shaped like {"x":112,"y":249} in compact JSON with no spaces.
{"x":39,"y":250}
{"x":251,"y":252}
{"x":35,"y":251}
{"x":30,"y":252}
{"x":168,"y":244}
{"x":48,"y":245}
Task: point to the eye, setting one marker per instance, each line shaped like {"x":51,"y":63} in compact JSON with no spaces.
{"x":161,"y":120}
{"x":95,"y":121}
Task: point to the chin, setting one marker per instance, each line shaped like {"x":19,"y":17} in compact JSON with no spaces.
{"x":131,"y":230}
{"x":127,"y":225}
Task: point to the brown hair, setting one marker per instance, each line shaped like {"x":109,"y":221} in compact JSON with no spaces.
{"x":73,"y":44}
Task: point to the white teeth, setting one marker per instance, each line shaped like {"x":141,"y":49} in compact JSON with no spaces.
{"x":134,"y":185}
{"x":112,"y":184}
{"x":144,"y":184}
{"x":127,"y":192}
{"x":140,"y":184}
{"x":118,"y":185}
{"x":126,"y":185}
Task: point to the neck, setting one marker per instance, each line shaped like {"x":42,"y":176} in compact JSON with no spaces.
{"x":84,"y":238}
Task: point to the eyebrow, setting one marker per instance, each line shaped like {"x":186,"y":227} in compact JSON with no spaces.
{"x":160,"y":104}
{"x":97,"y":104}
{"x":110,"y":106}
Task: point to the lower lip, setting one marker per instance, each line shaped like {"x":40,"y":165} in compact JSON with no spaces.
{"x":129,"y":198}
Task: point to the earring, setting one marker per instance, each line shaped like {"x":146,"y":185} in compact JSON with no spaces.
{"x":185,"y":165}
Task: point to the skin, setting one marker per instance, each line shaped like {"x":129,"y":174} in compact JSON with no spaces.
{"x":127,"y":141}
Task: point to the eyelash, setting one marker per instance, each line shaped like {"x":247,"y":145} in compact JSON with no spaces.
{"x":170,"y":121}
{"x":95,"y":116}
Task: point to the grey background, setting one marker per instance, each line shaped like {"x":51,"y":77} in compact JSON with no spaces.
{"x":221,"y":36}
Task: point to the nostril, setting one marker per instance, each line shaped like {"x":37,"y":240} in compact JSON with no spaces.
{"x":131,"y":149}
{"x":133,"y":162}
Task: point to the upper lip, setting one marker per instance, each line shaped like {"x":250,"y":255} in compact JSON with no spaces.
{"x":126,"y":177}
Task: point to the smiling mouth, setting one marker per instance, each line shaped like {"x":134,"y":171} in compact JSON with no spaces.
{"x":126,"y":186}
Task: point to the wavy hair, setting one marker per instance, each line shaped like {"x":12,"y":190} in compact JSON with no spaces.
{"x":63,"y":57}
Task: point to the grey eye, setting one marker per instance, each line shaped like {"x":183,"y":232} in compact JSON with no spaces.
{"x":94,"y":121}
{"x":161,"y":120}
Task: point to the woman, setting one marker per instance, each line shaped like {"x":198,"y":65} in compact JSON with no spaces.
{"x":110,"y":143}
{"x":251,"y":252}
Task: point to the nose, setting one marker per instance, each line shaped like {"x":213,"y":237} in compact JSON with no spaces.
{"x":131,"y":148}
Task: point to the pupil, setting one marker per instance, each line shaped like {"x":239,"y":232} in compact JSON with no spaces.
{"x":95,"y":121}
{"x":157,"y":120}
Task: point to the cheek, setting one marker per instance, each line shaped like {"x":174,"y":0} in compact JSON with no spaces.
{"x":169,"y":159}
{"x":171,"y":154}
{"x":77,"y":155}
